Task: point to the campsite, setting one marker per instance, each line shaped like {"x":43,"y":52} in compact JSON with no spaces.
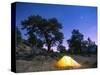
{"x":48,"y":65}
{"x":52,"y":37}
{"x":28,"y":62}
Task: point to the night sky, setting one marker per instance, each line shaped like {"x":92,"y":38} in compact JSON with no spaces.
{"x":71,"y":17}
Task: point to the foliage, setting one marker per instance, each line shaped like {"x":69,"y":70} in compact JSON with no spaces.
{"x":18,"y":36}
{"x":46,"y":30}
{"x":78,"y":45}
{"x":75,"y":41}
{"x":61,"y":49}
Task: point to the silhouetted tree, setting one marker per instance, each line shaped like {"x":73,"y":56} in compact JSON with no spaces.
{"x":61,"y":49}
{"x":92,"y":47}
{"x":84,"y":47}
{"x":88,"y":47}
{"x":75,"y":42}
{"x":46,"y":30}
{"x":18,"y":36}
{"x":32,"y":39}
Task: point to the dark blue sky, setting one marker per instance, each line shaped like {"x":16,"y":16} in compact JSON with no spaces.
{"x":71,"y":17}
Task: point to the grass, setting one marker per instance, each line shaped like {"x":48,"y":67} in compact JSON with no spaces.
{"x":42,"y":63}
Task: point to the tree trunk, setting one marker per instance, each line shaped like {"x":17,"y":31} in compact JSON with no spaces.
{"x":48,"y":42}
{"x":49,"y":47}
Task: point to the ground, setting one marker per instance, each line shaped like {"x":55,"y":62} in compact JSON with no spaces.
{"x":42,"y":63}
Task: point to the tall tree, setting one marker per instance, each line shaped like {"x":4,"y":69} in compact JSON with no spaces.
{"x":18,"y":36}
{"x":46,"y":30}
{"x":84,"y":47}
{"x":61,"y":49}
{"x":92,"y":47}
{"x":75,"y":41}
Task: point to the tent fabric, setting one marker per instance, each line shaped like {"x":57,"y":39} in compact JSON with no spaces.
{"x":66,"y":62}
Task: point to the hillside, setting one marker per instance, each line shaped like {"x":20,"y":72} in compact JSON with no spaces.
{"x":32,"y":59}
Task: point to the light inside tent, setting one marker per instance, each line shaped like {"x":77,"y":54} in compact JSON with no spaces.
{"x":66,"y":62}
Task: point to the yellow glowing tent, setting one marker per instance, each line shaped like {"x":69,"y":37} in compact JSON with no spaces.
{"x":66,"y":62}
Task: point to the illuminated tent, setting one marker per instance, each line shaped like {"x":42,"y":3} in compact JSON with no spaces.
{"x":67,"y":62}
